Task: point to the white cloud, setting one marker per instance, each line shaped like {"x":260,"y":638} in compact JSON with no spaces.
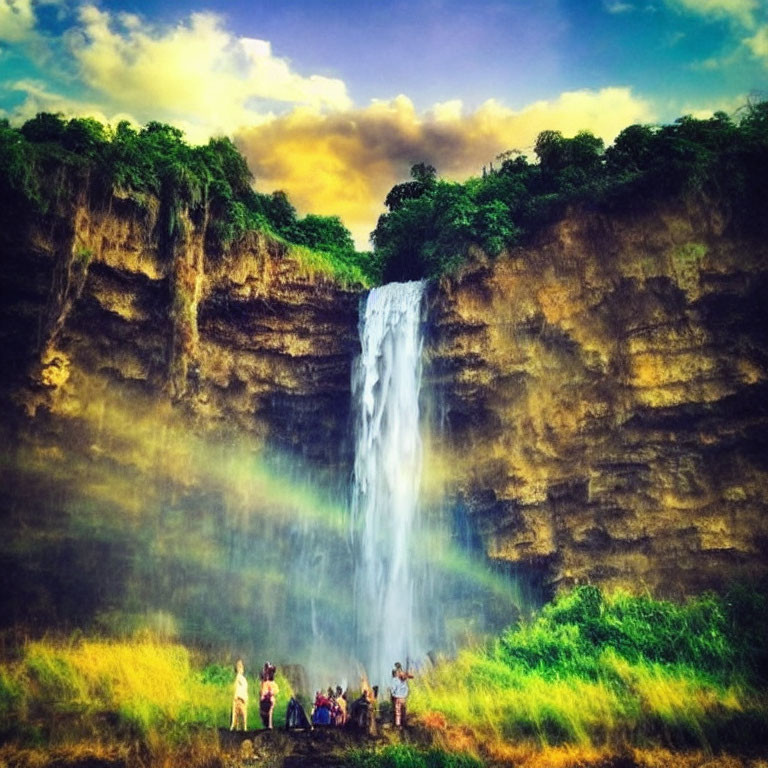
{"x":447,"y":111}
{"x":195,"y":72}
{"x":702,"y":111}
{"x":617,"y":6}
{"x":39,"y":98}
{"x":17,"y":20}
{"x":744,"y":15}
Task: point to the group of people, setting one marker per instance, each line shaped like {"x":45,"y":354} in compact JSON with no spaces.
{"x":268,"y":691}
{"x":329,"y":709}
{"x":363,"y":709}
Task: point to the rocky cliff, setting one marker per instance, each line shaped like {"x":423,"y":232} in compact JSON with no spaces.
{"x":150,"y":394}
{"x":598,"y":399}
{"x":601,"y":400}
{"x":246,"y":341}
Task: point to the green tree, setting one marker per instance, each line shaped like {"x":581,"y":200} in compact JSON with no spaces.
{"x":424,"y":174}
{"x":424,"y":180}
{"x":281,"y":214}
{"x":632,"y":150}
{"x":44,"y":127}
{"x":85,"y":136}
{"x":324,"y":233}
{"x":550,"y":149}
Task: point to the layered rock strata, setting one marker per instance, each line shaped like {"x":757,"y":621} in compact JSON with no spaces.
{"x":246,"y":341}
{"x":598,"y":400}
{"x":601,"y":400}
{"x":174,"y":427}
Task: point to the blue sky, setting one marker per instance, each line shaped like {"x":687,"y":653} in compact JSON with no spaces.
{"x":333,"y":100}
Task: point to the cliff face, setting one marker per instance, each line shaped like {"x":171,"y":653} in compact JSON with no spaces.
{"x":603,"y":397}
{"x":150,"y":392}
{"x":245,"y":342}
{"x":599,"y":400}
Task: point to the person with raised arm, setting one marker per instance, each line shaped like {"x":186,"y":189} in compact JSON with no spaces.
{"x":400,"y":693}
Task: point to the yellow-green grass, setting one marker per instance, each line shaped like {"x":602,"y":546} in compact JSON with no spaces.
{"x":605,"y":671}
{"x":346,"y":269}
{"x":328,"y":265}
{"x":527,"y":756}
{"x":630,"y":701}
{"x":58,"y":692}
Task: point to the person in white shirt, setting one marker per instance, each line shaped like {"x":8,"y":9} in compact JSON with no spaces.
{"x":240,"y":698}
{"x":399,"y":692}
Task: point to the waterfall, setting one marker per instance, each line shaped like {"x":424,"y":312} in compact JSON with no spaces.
{"x":386,"y":380}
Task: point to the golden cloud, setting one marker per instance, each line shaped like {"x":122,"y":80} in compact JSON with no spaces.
{"x":345,"y":162}
{"x":17,"y":20}
{"x":742,"y":11}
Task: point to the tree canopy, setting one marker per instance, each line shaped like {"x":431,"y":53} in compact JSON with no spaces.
{"x":211,"y":183}
{"x":431,"y":224}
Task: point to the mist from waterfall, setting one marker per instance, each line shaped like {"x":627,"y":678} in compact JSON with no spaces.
{"x":386,"y":383}
{"x":226,"y":544}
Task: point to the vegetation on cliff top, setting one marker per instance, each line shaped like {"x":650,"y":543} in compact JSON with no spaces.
{"x":431,"y":224}
{"x":49,"y":160}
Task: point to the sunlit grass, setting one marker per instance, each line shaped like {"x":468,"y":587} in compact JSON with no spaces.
{"x":512,"y":705}
{"x":407,"y":756}
{"x":591,"y":676}
{"x":60,"y":692}
{"x":595,"y":671}
{"x":328,"y":265}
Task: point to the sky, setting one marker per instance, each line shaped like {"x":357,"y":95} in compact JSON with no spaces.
{"x":334,"y":101}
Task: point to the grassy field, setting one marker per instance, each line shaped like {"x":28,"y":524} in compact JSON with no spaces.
{"x":596,"y":671}
{"x":331,"y":266}
{"x":61,"y":693}
{"x":593,"y":680}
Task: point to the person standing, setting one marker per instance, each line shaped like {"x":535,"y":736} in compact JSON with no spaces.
{"x":400,"y":694}
{"x":268,"y":694}
{"x":240,"y":698}
{"x":341,"y":702}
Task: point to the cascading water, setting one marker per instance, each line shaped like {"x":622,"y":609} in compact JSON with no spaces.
{"x":385,"y":387}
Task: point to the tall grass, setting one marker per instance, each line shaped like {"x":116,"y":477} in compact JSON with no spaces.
{"x":330,"y":265}
{"x":596,"y":670}
{"x":58,"y":693}
{"x":590,"y":672}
